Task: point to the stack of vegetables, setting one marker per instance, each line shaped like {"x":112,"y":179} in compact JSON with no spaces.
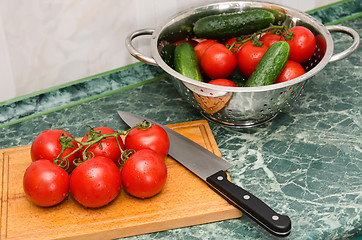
{"x":245,"y":49}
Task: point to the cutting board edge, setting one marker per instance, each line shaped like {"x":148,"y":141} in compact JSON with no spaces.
{"x":186,"y":221}
{"x":147,"y":228}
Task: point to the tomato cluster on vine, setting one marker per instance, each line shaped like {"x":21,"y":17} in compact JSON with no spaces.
{"x":94,"y":169}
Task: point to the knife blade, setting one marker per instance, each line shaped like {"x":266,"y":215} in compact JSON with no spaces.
{"x":211,"y":169}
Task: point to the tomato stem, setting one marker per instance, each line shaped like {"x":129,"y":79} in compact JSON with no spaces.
{"x":65,"y":142}
{"x":255,"y":37}
{"x":145,"y":125}
{"x":288,"y":34}
{"x":125,"y":155}
{"x":94,"y":137}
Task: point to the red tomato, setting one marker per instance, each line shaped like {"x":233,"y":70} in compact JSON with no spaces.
{"x":144,"y":174}
{"x":302,"y":45}
{"x":192,"y":42}
{"x":106,"y":147}
{"x":223,"y":82}
{"x":291,"y":70}
{"x":154,"y":138}
{"x":201,"y":47}
{"x":230,"y":42}
{"x":321,"y":43}
{"x":218,"y":61}
{"x":269,"y":38}
{"x":248,"y":57}
{"x":95,"y":182}
{"x":47,"y":146}
{"x":45,"y":183}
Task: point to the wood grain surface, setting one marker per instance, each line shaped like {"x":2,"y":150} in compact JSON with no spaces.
{"x":185,"y":200}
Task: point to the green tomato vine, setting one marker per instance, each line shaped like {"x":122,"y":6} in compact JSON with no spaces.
{"x":94,"y":137}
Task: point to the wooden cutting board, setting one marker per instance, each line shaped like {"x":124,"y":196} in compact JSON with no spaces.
{"x":185,"y":200}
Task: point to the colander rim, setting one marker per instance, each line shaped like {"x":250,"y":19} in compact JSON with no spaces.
{"x":217,"y":5}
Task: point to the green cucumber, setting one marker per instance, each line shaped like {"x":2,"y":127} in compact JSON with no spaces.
{"x":270,"y":65}
{"x":224,"y":26}
{"x":186,"y":61}
{"x":279,"y":16}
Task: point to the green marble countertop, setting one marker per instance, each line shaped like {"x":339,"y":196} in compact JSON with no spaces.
{"x":306,"y":163}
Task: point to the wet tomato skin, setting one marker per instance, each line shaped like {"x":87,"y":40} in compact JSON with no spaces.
{"x":249,"y":56}
{"x":302,"y":45}
{"x":154,"y":138}
{"x":47,"y":146}
{"x":201,"y":47}
{"x":218,"y":61}
{"x":291,"y":70}
{"x":45,"y":183}
{"x":95,"y":182}
{"x":223,"y":82}
{"x":106,"y":147}
{"x":269,"y":38}
{"x":144,"y":174}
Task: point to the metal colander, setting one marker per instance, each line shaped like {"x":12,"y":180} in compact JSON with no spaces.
{"x":240,"y":106}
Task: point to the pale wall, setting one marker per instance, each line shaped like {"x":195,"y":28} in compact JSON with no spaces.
{"x":47,"y":43}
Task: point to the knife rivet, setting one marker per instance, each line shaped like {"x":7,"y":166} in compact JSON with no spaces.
{"x":275,"y":217}
{"x":246,"y":197}
{"x":220,"y":178}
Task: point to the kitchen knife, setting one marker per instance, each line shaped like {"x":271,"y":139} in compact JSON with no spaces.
{"x":211,"y":169}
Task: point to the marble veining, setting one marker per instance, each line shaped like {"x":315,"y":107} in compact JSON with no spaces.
{"x":77,"y":93}
{"x":306,"y":163}
{"x":342,"y":10}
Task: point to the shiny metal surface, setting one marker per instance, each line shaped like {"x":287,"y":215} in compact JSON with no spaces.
{"x":242,"y":106}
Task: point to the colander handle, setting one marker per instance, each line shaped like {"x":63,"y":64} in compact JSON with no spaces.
{"x":352,"y":48}
{"x":132,"y":50}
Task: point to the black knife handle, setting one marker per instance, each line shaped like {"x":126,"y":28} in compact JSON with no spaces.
{"x":277,"y":224}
